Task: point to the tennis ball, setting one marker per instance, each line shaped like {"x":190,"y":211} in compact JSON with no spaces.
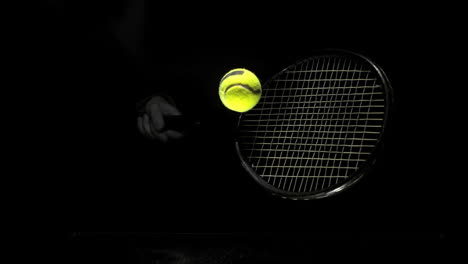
{"x":240,"y":90}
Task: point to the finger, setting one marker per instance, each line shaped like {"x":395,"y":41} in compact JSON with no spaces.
{"x":168,"y":109}
{"x":151,"y":133}
{"x":147,"y":127}
{"x":142,"y":129}
{"x":172,"y":134}
{"x":156,"y":116}
{"x":140,"y":125}
{"x":161,"y":137}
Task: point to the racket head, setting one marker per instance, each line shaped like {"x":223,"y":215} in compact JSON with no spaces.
{"x":320,"y":72}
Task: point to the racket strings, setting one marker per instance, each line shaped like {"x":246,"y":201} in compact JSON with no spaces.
{"x":315,"y":126}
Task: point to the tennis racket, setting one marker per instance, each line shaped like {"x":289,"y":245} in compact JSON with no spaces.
{"x":318,"y":126}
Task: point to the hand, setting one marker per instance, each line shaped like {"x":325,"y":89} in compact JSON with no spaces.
{"x":152,"y":122}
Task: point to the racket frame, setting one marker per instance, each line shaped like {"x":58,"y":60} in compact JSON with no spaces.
{"x":369,"y":163}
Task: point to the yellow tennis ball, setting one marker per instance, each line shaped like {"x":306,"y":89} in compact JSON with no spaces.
{"x":240,"y":90}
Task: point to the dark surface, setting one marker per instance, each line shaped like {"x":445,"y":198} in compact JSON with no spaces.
{"x":113,"y":182}
{"x":209,"y":248}
{"x":200,"y":179}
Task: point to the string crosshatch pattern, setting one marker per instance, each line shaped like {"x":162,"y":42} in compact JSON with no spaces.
{"x":316,"y":126}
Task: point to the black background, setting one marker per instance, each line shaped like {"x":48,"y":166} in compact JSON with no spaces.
{"x":112,"y":182}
